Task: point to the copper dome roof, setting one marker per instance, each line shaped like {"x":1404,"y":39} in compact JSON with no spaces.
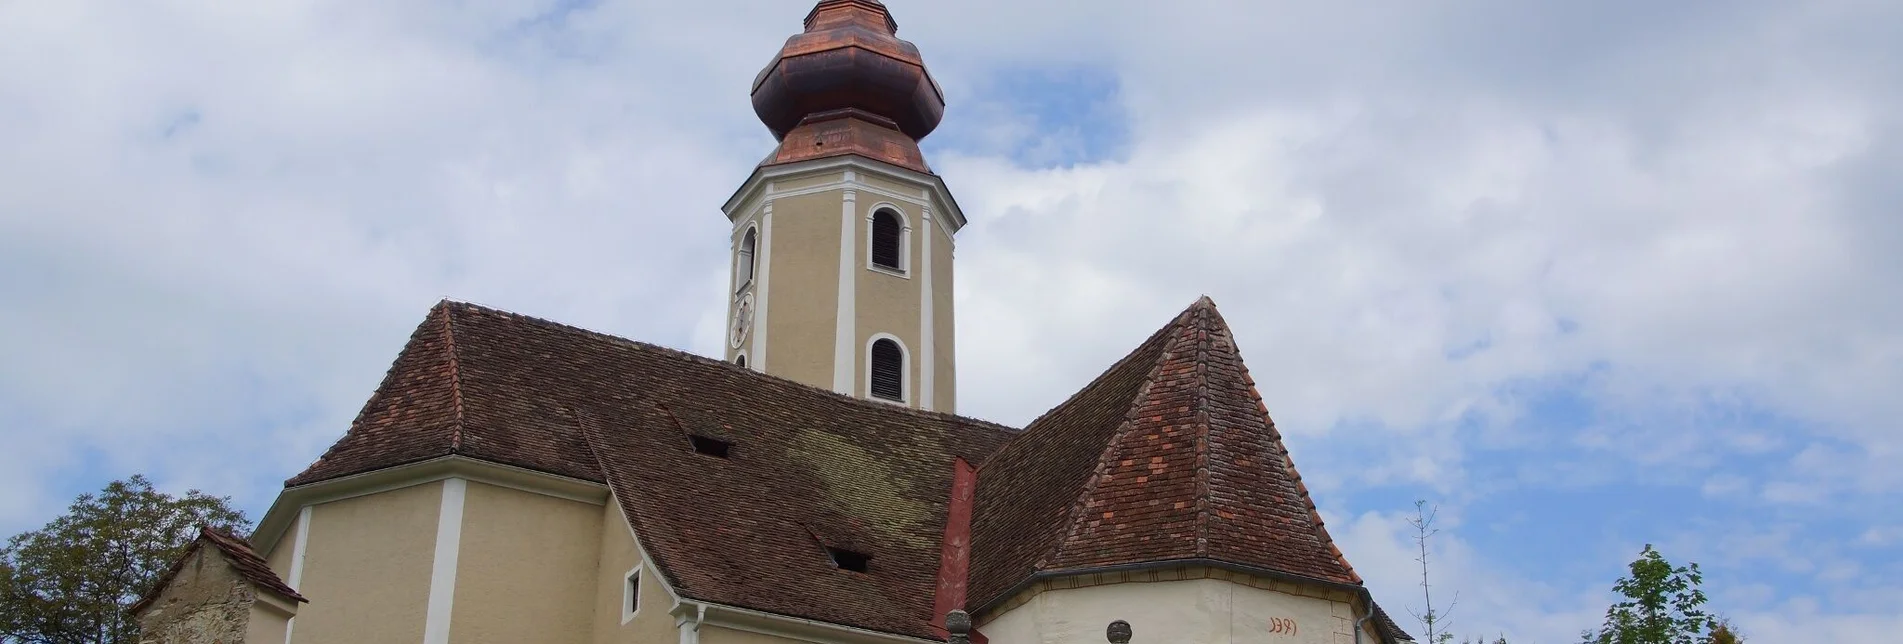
{"x":849,"y":58}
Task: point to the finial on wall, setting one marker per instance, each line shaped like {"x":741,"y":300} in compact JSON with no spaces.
{"x":959,"y":624}
{"x":1119,"y":632}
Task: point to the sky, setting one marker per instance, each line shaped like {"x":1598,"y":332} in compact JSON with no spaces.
{"x":1586,"y":276}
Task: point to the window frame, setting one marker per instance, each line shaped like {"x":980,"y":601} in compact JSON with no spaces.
{"x":904,"y":269}
{"x":905,"y":366}
{"x":631,"y":594}
{"x":752,"y":254}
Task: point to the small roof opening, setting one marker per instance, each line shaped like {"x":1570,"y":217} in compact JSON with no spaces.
{"x":710,"y":446}
{"x":849,"y":560}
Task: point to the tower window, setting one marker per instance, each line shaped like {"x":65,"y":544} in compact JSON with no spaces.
{"x":888,"y":370}
{"x":888,"y":240}
{"x":740,"y":360}
{"x":849,"y":560}
{"x":743,"y":260}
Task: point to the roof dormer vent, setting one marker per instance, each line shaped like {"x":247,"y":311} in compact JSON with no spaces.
{"x":849,"y":560}
{"x":709,"y":446}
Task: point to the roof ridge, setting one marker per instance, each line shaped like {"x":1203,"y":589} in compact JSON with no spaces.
{"x":1213,"y":319}
{"x":455,"y":381}
{"x":694,"y":357}
{"x":377,"y":395}
{"x":1088,"y":386}
{"x":1075,"y":522}
{"x":1199,"y":314}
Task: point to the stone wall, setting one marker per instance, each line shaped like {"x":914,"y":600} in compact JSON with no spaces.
{"x":206,"y":603}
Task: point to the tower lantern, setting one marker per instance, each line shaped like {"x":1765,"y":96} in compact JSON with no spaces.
{"x":842,"y":237}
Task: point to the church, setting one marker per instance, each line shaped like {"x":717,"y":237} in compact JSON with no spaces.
{"x":517,"y":480}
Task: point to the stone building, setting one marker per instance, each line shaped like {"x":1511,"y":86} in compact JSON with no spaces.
{"x":218,"y":592}
{"x":518,"y":480}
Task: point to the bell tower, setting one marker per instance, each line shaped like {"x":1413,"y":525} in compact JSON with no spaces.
{"x":842,"y":237}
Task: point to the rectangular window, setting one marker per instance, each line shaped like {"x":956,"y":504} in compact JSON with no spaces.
{"x":631,"y":595}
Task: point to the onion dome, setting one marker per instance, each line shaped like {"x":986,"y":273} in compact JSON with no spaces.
{"x":848,"y":85}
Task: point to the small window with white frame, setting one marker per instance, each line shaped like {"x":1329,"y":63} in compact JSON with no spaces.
{"x":743,"y":266}
{"x":631,"y":595}
{"x":889,"y":239}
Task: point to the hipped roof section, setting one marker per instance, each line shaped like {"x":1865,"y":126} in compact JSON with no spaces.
{"x":1169,"y":455}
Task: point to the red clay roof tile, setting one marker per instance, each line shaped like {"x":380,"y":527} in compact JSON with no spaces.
{"x":1170,"y":455}
{"x":237,"y":553}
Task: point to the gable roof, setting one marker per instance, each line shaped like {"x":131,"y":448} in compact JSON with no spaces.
{"x":1170,"y":455}
{"x":237,"y":553}
{"x":808,"y":468}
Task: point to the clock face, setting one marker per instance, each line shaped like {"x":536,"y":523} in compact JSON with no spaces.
{"x":742,"y":322}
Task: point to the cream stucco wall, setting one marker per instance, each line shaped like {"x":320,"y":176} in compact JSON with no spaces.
{"x":526,"y":568}
{"x":619,"y":554}
{"x":268,"y":621}
{"x":1207,"y":610}
{"x":804,"y":287}
{"x":367,"y":567}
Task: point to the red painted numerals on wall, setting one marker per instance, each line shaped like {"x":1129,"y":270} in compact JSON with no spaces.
{"x":1282,"y":625}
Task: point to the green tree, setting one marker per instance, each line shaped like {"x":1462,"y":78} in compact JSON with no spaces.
{"x":71,"y":581}
{"x":1661,"y":605}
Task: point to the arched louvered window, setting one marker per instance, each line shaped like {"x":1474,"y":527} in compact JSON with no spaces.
{"x":888,"y":370}
{"x":743,"y":260}
{"x":888,"y":240}
{"x":741,"y":360}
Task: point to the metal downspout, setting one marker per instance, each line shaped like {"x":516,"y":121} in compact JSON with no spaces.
{"x":1367,"y":597}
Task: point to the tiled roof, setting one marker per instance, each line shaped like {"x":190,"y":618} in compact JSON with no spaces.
{"x":1389,"y":629}
{"x":237,"y":553}
{"x":1170,"y":455}
{"x":808,"y":468}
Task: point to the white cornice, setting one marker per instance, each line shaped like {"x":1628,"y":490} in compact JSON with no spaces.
{"x":931,"y":187}
{"x":291,"y":501}
{"x":785,"y":626}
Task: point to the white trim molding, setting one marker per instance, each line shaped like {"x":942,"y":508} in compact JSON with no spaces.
{"x":848,"y":287}
{"x":927,"y":336}
{"x":905,"y":239}
{"x":905,"y":367}
{"x":285,"y":510}
{"x":776,"y":625}
{"x":442,"y":580}
{"x":295,"y":577}
{"x":931,"y":188}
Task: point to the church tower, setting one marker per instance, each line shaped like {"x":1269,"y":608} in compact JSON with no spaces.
{"x":842,"y":237}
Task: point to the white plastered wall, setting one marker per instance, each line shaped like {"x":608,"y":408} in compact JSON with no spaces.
{"x":1189,"y":611}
